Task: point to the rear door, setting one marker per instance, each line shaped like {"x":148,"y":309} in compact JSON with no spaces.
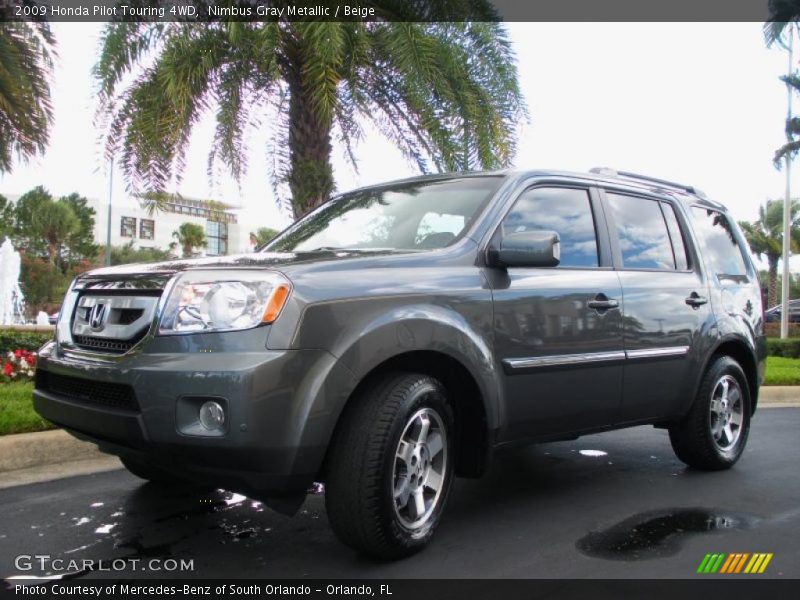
{"x":558,"y":331}
{"x":666,"y":303}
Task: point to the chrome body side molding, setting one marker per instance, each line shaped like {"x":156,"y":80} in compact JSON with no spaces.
{"x":562,"y":360}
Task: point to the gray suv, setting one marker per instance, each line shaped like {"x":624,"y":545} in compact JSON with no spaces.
{"x":396,"y":336}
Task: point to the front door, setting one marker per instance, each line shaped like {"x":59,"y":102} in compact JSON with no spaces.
{"x":558,"y":331}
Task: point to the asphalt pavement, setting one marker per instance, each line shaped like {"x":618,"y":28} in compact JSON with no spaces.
{"x":615,"y":505}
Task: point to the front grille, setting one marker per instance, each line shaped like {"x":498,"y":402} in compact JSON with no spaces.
{"x":113,"y":395}
{"x":129,"y":315}
{"x":112,"y":321}
{"x":106,"y":344}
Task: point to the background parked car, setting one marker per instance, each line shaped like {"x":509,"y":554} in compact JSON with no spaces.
{"x":774,"y":313}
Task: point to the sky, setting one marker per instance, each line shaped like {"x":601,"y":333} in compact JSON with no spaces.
{"x":699,"y":103}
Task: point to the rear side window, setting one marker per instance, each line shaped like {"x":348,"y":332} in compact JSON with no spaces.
{"x":720,"y":249}
{"x":675,"y":234}
{"x":566,"y":211}
{"x":642,"y":231}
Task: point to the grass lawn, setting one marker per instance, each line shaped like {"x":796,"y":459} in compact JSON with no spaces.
{"x":16,"y":409}
{"x":782,"y":371}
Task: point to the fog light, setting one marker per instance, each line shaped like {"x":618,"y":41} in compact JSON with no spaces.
{"x":212,"y":416}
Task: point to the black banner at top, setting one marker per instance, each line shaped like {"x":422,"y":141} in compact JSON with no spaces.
{"x":201,"y":11}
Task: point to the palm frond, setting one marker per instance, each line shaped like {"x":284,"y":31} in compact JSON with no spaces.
{"x":783,"y":19}
{"x":26,"y":112}
{"x":444,"y":92}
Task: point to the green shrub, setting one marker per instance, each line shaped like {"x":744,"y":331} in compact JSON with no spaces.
{"x":773,"y":330}
{"x":11,"y":340}
{"x":789,"y":348}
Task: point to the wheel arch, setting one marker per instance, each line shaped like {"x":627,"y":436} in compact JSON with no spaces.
{"x":473,"y":443}
{"x":742,"y":353}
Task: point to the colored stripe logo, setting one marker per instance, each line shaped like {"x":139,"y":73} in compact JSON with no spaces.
{"x":736,"y":563}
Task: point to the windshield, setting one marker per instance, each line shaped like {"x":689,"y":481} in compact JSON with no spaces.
{"x":418,"y":215}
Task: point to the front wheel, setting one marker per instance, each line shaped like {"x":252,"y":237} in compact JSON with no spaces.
{"x":391,"y":466}
{"x":712,"y":436}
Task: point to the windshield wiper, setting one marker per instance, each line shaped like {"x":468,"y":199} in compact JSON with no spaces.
{"x":323,"y":249}
{"x":341,"y":249}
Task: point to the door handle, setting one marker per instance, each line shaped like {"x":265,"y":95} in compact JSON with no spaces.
{"x":695,"y":300}
{"x":602,"y":302}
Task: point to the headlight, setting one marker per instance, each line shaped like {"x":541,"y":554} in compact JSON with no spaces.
{"x":223,"y":301}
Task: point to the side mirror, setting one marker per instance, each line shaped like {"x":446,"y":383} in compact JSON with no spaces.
{"x":526,"y":249}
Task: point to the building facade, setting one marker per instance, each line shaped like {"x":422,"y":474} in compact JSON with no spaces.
{"x":132,"y":223}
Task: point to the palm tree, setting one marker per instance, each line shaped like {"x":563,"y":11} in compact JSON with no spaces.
{"x":783,"y":22}
{"x":189,"y":236}
{"x":26,"y":51}
{"x":445,"y":93}
{"x":783,"y":15}
{"x":792,"y":146}
{"x":765,"y":237}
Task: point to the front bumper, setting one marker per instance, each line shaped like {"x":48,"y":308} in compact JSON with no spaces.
{"x":282,"y":407}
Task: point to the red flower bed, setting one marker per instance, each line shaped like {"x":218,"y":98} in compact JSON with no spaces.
{"x":18,"y":365}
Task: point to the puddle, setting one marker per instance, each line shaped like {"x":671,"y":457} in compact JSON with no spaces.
{"x":231,"y":498}
{"x":655,"y":534}
{"x":103,"y":529}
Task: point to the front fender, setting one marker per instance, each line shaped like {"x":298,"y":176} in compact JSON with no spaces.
{"x":362,"y":335}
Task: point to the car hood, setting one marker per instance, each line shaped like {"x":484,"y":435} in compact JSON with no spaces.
{"x":256,"y":260}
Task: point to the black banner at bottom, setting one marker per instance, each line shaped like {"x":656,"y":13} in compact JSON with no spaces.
{"x":408,"y":589}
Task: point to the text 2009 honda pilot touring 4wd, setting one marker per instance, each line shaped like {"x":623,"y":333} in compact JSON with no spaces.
{"x":396,"y":336}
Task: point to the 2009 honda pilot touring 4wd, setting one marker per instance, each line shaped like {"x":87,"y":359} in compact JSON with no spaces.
{"x":394,"y":337}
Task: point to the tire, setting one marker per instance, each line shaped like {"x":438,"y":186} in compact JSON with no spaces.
{"x":712,"y":436}
{"x":387,"y":480}
{"x":150,"y":473}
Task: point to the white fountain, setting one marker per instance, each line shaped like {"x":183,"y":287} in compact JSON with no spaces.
{"x":12,"y":302}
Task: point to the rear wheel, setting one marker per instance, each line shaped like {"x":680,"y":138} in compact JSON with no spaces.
{"x":713,"y":434}
{"x":390,"y":466}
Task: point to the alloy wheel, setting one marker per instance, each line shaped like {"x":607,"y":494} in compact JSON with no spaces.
{"x":419,"y":468}
{"x":726,"y":412}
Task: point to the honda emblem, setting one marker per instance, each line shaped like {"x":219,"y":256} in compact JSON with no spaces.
{"x":97,"y":317}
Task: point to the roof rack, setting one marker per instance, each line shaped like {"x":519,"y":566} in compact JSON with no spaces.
{"x":607,"y":172}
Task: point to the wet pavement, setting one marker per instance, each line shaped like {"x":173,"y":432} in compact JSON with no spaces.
{"x":612,"y":505}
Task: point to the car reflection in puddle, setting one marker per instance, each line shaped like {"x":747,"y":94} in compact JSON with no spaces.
{"x":656,"y":534}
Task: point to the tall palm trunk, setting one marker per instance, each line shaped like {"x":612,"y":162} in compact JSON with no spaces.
{"x":311,"y":174}
{"x":772,"y":285}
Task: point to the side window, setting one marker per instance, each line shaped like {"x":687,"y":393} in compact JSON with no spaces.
{"x":566,"y":211}
{"x":642,"y":231}
{"x":720,"y":249}
{"x":675,"y":234}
